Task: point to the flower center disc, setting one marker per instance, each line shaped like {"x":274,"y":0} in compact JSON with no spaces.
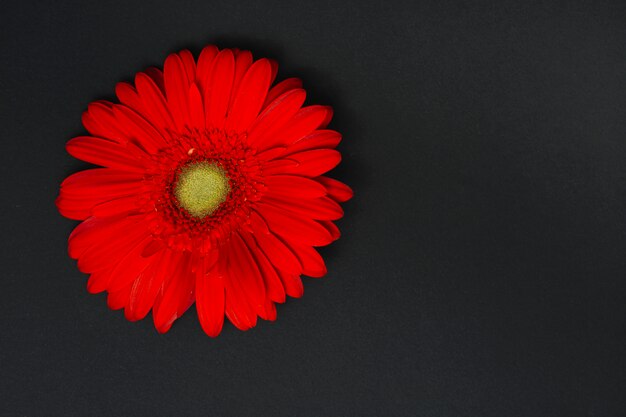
{"x":201,"y":187}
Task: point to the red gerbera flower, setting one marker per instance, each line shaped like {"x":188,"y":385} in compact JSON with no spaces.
{"x":212,"y":191}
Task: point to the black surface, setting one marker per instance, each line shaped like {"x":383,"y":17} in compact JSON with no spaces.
{"x":482,"y":266}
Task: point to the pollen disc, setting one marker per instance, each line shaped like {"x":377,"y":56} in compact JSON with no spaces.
{"x":201,"y":187}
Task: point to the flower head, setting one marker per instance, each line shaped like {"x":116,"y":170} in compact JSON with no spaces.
{"x":211,"y":190}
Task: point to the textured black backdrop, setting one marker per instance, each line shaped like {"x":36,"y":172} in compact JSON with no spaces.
{"x":481,"y":269}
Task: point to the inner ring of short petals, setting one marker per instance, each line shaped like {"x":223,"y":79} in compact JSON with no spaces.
{"x":201,"y":187}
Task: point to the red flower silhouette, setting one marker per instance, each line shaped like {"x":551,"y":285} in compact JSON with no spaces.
{"x":211,"y":191}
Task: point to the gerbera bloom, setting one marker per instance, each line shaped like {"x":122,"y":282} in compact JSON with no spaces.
{"x":211,"y":191}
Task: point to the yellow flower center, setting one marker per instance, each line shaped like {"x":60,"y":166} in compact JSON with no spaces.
{"x":201,"y":187}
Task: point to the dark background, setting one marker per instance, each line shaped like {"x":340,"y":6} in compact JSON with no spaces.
{"x":482,"y":266}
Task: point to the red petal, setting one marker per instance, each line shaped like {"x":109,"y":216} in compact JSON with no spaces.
{"x":293,"y":186}
{"x":119,"y":299}
{"x":176,"y":89}
{"x":154,"y":246}
{"x":103,"y":152}
{"x":196,"y":108}
{"x":130,"y":266}
{"x":175,"y":290}
{"x":305,"y":121}
{"x":93,"y":230}
{"x":103,"y":179}
{"x":245,"y":272}
{"x":274,"y":117}
{"x":270,"y":154}
{"x":317,"y":140}
{"x":139,"y":130}
{"x":332,"y":228}
{"x":243,"y":60}
{"x":277,"y":253}
{"x":322,"y":208}
{"x":122,"y":205}
{"x":100,"y":121}
{"x":154,"y":105}
{"x":189,"y":63}
{"x":308,"y":163}
{"x":281,"y":88}
{"x":274,"y":66}
{"x":294,"y":228}
{"x":98,"y":281}
{"x":210,"y":300}
{"x":236,"y":306}
{"x":82,"y":191}
{"x":336,"y":190}
{"x":157,"y":76}
{"x":270,"y":310}
{"x":250,"y":96}
{"x":145,"y":288}
{"x":273,"y":285}
{"x":292,"y":283}
{"x":218,"y":89}
{"x":132,"y":119}
{"x":312,"y":263}
{"x":205,"y":62}
{"x":279,"y":166}
{"x":106,"y":254}
{"x":128,"y":96}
